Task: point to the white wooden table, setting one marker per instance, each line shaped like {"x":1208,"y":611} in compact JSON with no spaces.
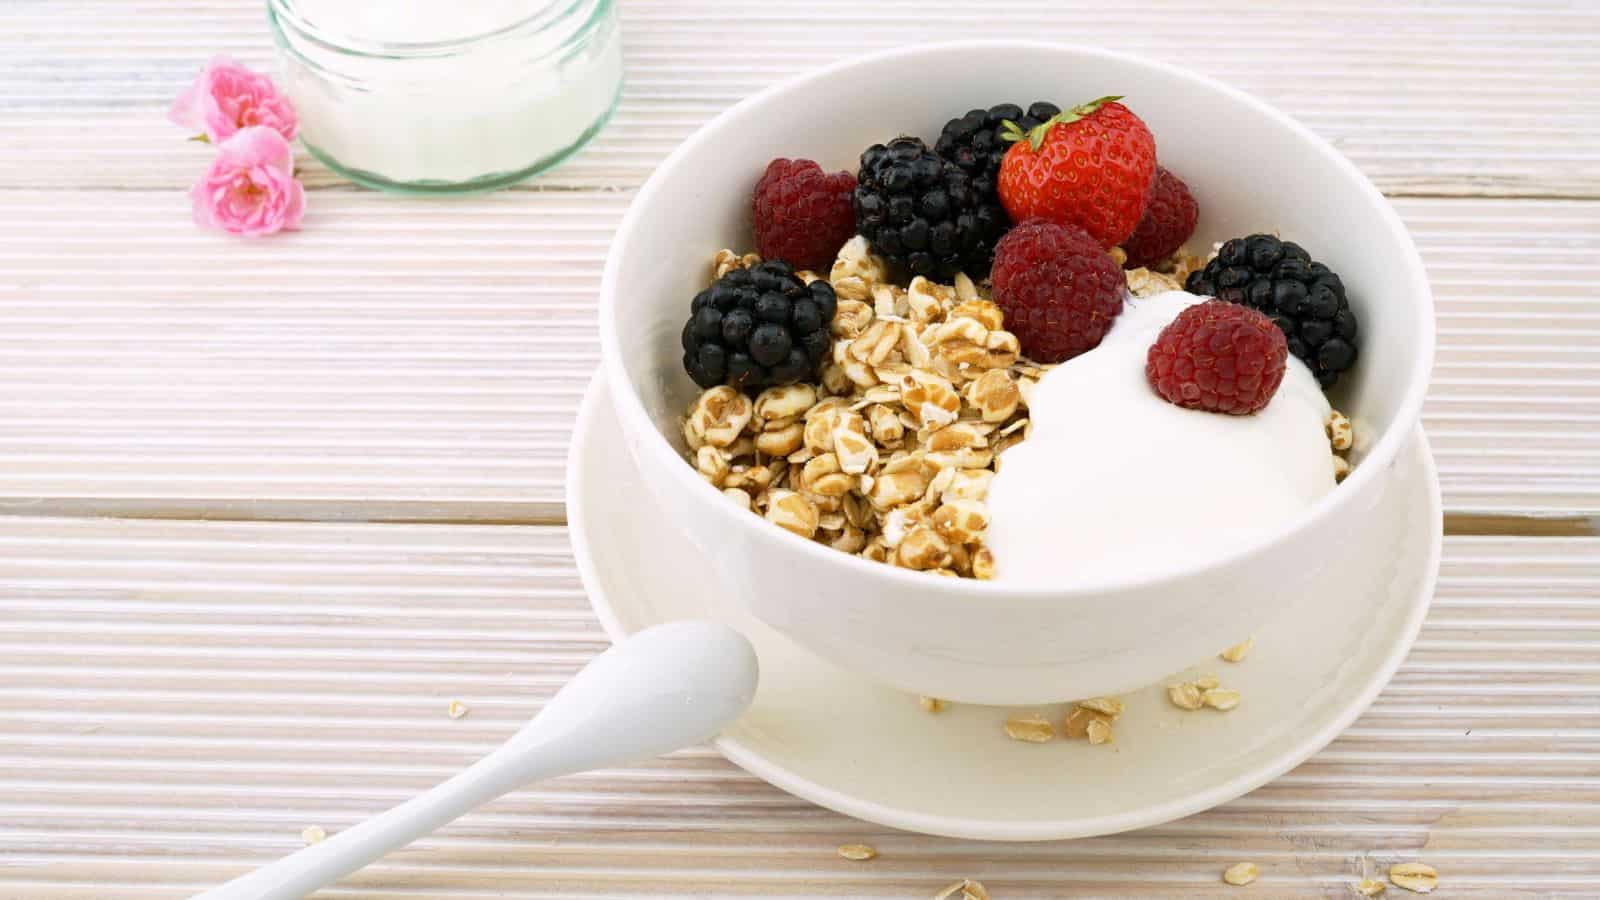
{"x":269,"y":506}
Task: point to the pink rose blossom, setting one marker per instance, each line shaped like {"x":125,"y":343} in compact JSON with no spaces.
{"x":226,"y":97}
{"x":250,"y":188}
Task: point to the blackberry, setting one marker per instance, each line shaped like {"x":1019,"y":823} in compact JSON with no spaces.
{"x":921,"y":213}
{"x":757,"y":328}
{"x":973,"y":141}
{"x":1304,"y":298}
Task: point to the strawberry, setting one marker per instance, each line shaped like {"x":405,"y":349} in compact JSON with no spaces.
{"x":1089,"y":166}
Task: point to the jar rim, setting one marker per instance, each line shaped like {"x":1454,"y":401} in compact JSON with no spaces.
{"x":287,"y":14}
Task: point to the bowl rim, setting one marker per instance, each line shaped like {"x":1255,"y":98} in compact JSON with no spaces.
{"x":1362,"y":477}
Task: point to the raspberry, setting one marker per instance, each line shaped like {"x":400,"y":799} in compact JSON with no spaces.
{"x":1059,"y":289}
{"x":801,"y":214}
{"x":1218,"y":357}
{"x":1169,"y":216}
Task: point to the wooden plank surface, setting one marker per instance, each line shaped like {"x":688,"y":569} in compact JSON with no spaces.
{"x":422,"y":360}
{"x":425,"y":361}
{"x":1457,"y":98}
{"x":179,"y":700}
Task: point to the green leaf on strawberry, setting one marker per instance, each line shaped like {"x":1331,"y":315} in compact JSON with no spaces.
{"x":1010,"y":131}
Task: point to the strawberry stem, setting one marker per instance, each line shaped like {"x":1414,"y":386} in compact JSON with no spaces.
{"x":1011,"y":131}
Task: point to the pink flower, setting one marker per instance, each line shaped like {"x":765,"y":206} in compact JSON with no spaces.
{"x":226,"y":97}
{"x":250,"y":188}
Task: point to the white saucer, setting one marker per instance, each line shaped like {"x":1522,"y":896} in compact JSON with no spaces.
{"x":871,"y":752}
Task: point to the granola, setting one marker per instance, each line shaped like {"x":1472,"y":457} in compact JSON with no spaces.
{"x":1240,"y":874}
{"x":1341,"y":437}
{"x":857,"y":852}
{"x":1203,"y":692}
{"x":1034,"y":729}
{"x":1078,"y":720}
{"x":891,"y":457}
{"x":1239,"y":651}
{"x":1418,"y":878}
{"x":1184,"y":695}
{"x":965,"y":889}
{"x":1221,"y":698}
{"x":1091,"y":720}
{"x":1098,"y":732}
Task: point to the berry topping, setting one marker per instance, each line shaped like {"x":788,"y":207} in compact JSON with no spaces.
{"x":1304,"y":298}
{"x":1059,"y":289}
{"x":801,"y":214}
{"x":920,"y":212}
{"x":1169,"y":216}
{"x":1218,"y":357}
{"x":973,"y":141}
{"x":1089,"y":166}
{"x":757,"y":328}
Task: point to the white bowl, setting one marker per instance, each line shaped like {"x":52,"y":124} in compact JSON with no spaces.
{"x":1251,"y":168}
{"x":828,"y":736}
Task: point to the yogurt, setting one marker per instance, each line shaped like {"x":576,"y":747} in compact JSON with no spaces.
{"x":417,"y":21}
{"x":1113,"y":480}
{"x":435,"y":95}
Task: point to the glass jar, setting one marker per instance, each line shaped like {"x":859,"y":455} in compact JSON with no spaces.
{"x":426,"y":96}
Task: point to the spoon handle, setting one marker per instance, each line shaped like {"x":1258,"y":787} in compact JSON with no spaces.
{"x":304,"y":871}
{"x":666,"y":687}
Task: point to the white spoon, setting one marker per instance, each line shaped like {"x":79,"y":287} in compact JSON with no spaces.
{"x":664,"y":688}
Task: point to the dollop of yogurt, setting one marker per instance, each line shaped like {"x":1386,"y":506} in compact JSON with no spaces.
{"x":1113,"y":480}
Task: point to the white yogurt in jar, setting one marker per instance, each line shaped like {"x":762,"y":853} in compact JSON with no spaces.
{"x":1113,"y":480}
{"x":430,"y":94}
{"x":416,"y":21}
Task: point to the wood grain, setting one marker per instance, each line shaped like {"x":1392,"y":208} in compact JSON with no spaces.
{"x":178,"y":700}
{"x":422,"y":361}
{"x":1466,"y":99}
{"x":411,"y":361}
